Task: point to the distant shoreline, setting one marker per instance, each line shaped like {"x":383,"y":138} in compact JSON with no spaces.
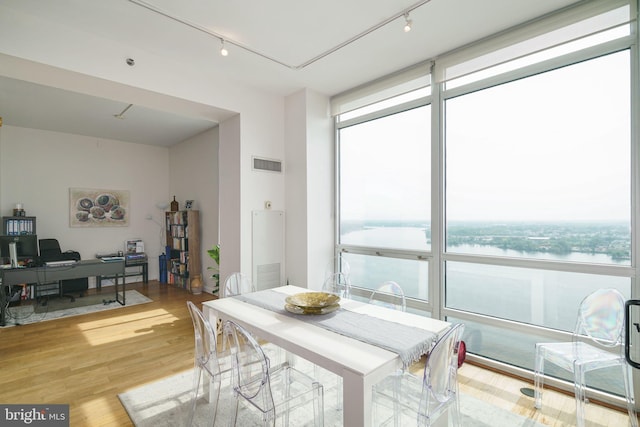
{"x":611,"y":238}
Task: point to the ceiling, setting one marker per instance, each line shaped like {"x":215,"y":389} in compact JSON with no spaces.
{"x":278,"y":46}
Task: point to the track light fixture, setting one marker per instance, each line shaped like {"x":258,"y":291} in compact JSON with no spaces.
{"x":223,"y":50}
{"x":121,"y":115}
{"x":408,"y":22}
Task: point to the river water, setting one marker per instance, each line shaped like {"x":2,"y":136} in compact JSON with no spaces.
{"x":538,"y":297}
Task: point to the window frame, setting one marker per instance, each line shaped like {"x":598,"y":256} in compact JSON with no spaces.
{"x":437,"y":255}
{"x":412,"y":303}
{"x":598,"y":269}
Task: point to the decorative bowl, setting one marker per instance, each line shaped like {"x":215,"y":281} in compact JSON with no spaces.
{"x":313,"y":299}
{"x":311,"y":310}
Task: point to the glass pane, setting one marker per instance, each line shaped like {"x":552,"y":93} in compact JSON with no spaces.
{"x":540,"y":167}
{"x":538,"y":297}
{"x":517,"y":349}
{"x":385,"y":181}
{"x":371,"y":271}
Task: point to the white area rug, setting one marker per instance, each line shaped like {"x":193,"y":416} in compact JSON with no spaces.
{"x":166,"y":403}
{"x":24,"y":315}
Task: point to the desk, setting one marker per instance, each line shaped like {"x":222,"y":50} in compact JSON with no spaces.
{"x":359,"y":364}
{"x":86,"y":268}
{"x":129,"y":263}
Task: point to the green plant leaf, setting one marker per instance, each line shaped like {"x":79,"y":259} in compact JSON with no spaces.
{"x":214,"y":254}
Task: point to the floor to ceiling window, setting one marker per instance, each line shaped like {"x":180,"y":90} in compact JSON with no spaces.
{"x":528,"y":205}
{"x":538,"y":170}
{"x":385,"y":203}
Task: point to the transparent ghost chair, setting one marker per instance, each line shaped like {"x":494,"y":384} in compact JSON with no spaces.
{"x":597,"y":343}
{"x":390,"y":295}
{"x":206,"y":363}
{"x":237,"y":284}
{"x":274,"y":393}
{"x":337,"y":265}
{"x":405,"y":398}
{"x":339,"y":284}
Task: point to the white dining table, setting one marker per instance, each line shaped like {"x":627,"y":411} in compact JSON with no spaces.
{"x":360,"y":365}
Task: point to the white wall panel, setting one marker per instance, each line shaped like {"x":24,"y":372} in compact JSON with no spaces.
{"x":268,"y":249}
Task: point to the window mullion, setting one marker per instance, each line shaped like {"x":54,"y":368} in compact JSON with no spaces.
{"x":436,"y":277}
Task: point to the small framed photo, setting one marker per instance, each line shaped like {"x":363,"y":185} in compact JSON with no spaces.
{"x":188,"y":204}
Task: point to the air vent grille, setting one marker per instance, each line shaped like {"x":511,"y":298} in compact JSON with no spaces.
{"x":267,"y":164}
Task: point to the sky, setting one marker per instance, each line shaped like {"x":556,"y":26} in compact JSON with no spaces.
{"x":555,"y":146}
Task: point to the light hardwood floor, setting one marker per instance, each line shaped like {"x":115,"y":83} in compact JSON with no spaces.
{"x":86,"y":361}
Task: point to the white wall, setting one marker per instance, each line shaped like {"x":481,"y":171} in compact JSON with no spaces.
{"x":257,"y":127}
{"x":37,"y":168}
{"x":262,"y":135}
{"x":193,"y":172}
{"x":296,"y":228}
{"x":229,"y":198}
{"x":309,"y":188}
{"x":320,"y":188}
{"x":96,"y":66}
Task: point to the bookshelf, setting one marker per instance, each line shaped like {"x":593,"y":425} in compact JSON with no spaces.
{"x":183,"y":247}
{"x":17,"y":225}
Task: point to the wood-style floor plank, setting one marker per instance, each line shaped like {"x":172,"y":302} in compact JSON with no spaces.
{"x":86,"y":361}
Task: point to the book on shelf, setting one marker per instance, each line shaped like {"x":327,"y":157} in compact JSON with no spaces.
{"x":178,"y":232}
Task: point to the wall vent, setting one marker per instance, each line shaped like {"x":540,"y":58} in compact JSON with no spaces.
{"x":270,"y":165}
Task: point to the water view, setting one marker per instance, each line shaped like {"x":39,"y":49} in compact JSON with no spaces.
{"x":528,"y":295}
{"x":542,"y":297}
{"x":597,"y":242}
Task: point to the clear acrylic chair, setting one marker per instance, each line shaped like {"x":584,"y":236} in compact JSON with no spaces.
{"x":339,"y":284}
{"x":407,"y":399}
{"x":597,"y":343}
{"x":274,"y":393}
{"x":390,"y":295}
{"x":206,"y":363}
{"x":337,"y":265}
{"x":237,"y":284}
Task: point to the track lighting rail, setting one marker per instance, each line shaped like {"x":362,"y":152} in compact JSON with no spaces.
{"x":227,"y":41}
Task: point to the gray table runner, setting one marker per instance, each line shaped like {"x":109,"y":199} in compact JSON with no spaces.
{"x":408,"y":342}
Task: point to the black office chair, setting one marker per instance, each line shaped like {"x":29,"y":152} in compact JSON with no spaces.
{"x":50,"y":251}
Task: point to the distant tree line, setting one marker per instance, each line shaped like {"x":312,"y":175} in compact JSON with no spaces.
{"x":595,"y":238}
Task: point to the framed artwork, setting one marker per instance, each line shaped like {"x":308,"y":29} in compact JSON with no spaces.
{"x":188,"y":204}
{"x":98,"y":208}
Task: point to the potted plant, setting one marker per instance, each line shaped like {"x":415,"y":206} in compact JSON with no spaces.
{"x":214,"y":253}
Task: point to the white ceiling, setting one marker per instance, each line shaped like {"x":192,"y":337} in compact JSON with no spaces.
{"x":279,"y":46}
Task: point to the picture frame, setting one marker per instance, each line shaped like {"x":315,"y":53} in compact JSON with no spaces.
{"x":90,"y":207}
{"x":188,"y":204}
